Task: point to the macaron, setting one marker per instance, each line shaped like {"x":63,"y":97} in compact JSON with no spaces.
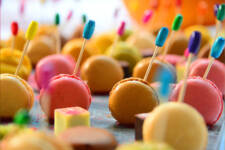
{"x":101,"y":73}
{"x":89,"y":138}
{"x":178,"y":44}
{"x":53,"y":65}
{"x":73,"y":48}
{"x":9,"y":59}
{"x":39,"y":48}
{"x":125,"y":52}
{"x":15,"y":94}
{"x":158,"y":64}
{"x":78,"y":31}
{"x":129,"y":97}
{"x":145,"y":146}
{"x":216,"y":74}
{"x":173,"y":59}
{"x":64,"y":91}
{"x":178,"y":125}
{"x":34,"y":140}
{"x":204,"y":96}
{"x":19,"y":42}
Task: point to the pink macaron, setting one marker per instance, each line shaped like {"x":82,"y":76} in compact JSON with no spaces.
{"x":64,"y":91}
{"x":51,"y":66}
{"x":203,"y":95}
{"x":216,"y":73}
{"x":172,"y":58}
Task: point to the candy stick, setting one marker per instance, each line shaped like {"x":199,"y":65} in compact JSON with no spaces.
{"x":220,"y":15}
{"x":178,"y":4}
{"x":31,"y":31}
{"x":120,"y":32}
{"x":84,"y":19}
{"x":216,"y":51}
{"x":22,"y":117}
{"x":216,"y":6}
{"x":69,"y":16}
{"x":175,"y":27}
{"x":159,"y":42}
{"x":87,"y":34}
{"x":58,"y":40}
{"x":193,"y":47}
{"x":14,"y":30}
{"x":22,"y":7}
{"x":147,"y":16}
{"x":185,"y":56}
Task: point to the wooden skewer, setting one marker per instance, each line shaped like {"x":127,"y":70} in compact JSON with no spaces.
{"x":208,"y":68}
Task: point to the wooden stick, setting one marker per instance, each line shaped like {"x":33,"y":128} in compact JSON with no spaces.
{"x":183,"y":88}
{"x":167,"y":45}
{"x":151,"y":62}
{"x":79,"y":57}
{"x":208,"y":68}
{"x":58,"y":41}
{"x":22,"y":57}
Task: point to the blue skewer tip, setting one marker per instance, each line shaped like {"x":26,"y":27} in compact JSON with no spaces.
{"x":194,"y":42}
{"x":161,"y":37}
{"x":89,"y":29}
{"x":218,"y":47}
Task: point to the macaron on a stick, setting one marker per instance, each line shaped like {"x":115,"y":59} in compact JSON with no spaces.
{"x":216,"y":51}
{"x":159,"y":42}
{"x":175,"y":27}
{"x":193,"y":47}
{"x":14,"y":30}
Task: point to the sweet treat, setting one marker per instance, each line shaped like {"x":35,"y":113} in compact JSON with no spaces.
{"x":180,"y":68}
{"x":178,"y":125}
{"x":125,"y":52}
{"x":206,"y":37}
{"x":145,"y":146}
{"x":158,"y":64}
{"x":216,"y":73}
{"x":144,"y":41}
{"x":64,"y":91}
{"x":39,"y":48}
{"x":9,"y":59}
{"x":35,"y":140}
{"x":51,"y":66}
{"x":129,"y":97}
{"x":19,"y":41}
{"x":209,"y":104}
{"x":178,"y":44}
{"x":15,"y":94}
{"x":69,"y":117}
{"x":78,"y":31}
{"x":138,"y":125}
{"x":87,"y":138}
{"x":73,"y":48}
{"x":48,"y":30}
{"x":8,"y":129}
{"x":101,"y":73}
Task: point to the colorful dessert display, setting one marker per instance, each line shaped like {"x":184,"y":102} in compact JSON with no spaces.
{"x":15,"y":92}
{"x":101,"y":73}
{"x":89,"y":138}
{"x":132,"y":96}
{"x":145,"y":146}
{"x":155,"y":82}
{"x":69,"y":117}
{"x":68,"y":88}
{"x":51,"y":66}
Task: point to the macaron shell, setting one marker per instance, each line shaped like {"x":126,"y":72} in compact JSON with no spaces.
{"x":172,"y":59}
{"x":15,"y":94}
{"x":216,"y":73}
{"x":202,"y":95}
{"x":9,"y":60}
{"x":178,"y":125}
{"x":101,"y":73}
{"x":51,"y":66}
{"x":141,"y":67}
{"x":129,"y":97}
{"x":64,"y":91}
